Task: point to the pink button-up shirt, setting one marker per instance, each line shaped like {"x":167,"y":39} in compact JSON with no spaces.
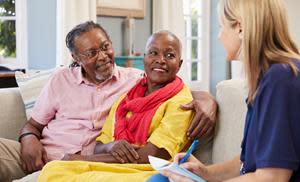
{"x":73,"y":110}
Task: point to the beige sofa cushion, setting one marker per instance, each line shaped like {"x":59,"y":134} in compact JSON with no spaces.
{"x":231,"y":96}
{"x":204,"y":152}
{"x":12,"y":113}
{"x":14,"y":100}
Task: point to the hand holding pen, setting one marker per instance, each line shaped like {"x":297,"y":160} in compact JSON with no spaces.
{"x":188,"y":162}
{"x":189,"y":152}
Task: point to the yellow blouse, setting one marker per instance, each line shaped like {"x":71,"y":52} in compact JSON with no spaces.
{"x":169,"y":122}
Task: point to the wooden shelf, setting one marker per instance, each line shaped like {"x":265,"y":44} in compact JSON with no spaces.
{"x":7,"y":78}
{"x":6,"y":74}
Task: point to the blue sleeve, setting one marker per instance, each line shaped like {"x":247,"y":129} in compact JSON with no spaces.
{"x":276,"y":114}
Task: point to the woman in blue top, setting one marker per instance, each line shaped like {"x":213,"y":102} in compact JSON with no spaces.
{"x":256,"y":32}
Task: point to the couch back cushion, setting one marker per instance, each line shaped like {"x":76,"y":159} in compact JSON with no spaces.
{"x":30,"y":85}
{"x":231,"y":96}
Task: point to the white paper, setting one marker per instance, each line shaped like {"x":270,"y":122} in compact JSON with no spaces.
{"x":161,"y":164}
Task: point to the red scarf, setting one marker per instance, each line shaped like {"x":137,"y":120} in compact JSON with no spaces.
{"x":135,"y":129}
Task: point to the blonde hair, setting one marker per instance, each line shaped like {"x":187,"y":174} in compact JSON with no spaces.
{"x":266,"y":39}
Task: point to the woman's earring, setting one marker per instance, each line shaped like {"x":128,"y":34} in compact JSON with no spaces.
{"x":240,"y":34}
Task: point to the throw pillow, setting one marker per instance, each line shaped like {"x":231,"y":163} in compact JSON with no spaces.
{"x":30,"y":85}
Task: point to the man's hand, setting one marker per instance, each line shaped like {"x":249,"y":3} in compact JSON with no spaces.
{"x":123,"y":151}
{"x":33,"y":154}
{"x":204,"y":121}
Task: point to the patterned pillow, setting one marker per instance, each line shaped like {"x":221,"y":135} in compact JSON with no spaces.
{"x":30,"y":85}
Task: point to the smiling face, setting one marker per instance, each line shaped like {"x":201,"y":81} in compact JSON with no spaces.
{"x":162,"y":58}
{"x":94,"y":53}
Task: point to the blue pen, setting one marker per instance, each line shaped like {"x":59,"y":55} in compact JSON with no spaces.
{"x":188,"y":153}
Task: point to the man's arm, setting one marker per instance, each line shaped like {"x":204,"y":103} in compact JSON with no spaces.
{"x":204,"y":121}
{"x":105,"y":157}
{"x":33,"y":154}
{"x":122,"y":153}
{"x":121,"y":150}
{"x":32,"y":127}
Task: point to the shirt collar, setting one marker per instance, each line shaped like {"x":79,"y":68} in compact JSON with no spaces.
{"x":80,"y":78}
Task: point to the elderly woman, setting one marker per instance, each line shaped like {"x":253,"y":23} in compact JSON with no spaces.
{"x":145,"y":121}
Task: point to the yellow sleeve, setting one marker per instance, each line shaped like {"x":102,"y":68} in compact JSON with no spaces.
{"x":171,"y":132}
{"x":107,"y":132}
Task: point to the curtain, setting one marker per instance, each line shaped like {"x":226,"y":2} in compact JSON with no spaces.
{"x":168,"y":15}
{"x":70,"y":13}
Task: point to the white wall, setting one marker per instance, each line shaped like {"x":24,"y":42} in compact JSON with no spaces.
{"x":218,"y":65}
{"x":115,"y":28}
{"x":294,"y":15}
{"x":41,"y":29}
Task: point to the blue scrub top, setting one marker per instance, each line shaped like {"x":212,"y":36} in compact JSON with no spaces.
{"x":272,"y":128}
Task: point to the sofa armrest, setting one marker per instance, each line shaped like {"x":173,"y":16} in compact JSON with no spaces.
{"x":12,"y":113}
{"x":231,"y":96}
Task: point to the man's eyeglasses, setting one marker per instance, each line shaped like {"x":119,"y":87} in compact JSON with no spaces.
{"x":91,"y":54}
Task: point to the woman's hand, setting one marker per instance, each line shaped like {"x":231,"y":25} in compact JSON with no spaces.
{"x":192,"y":164}
{"x":123,"y":151}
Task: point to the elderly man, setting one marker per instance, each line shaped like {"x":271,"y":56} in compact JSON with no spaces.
{"x":75,"y":102}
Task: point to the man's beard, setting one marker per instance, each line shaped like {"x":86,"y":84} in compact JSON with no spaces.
{"x":103,"y":77}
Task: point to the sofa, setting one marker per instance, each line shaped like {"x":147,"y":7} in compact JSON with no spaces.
{"x":12,"y":112}
{"x":231,"y":95}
